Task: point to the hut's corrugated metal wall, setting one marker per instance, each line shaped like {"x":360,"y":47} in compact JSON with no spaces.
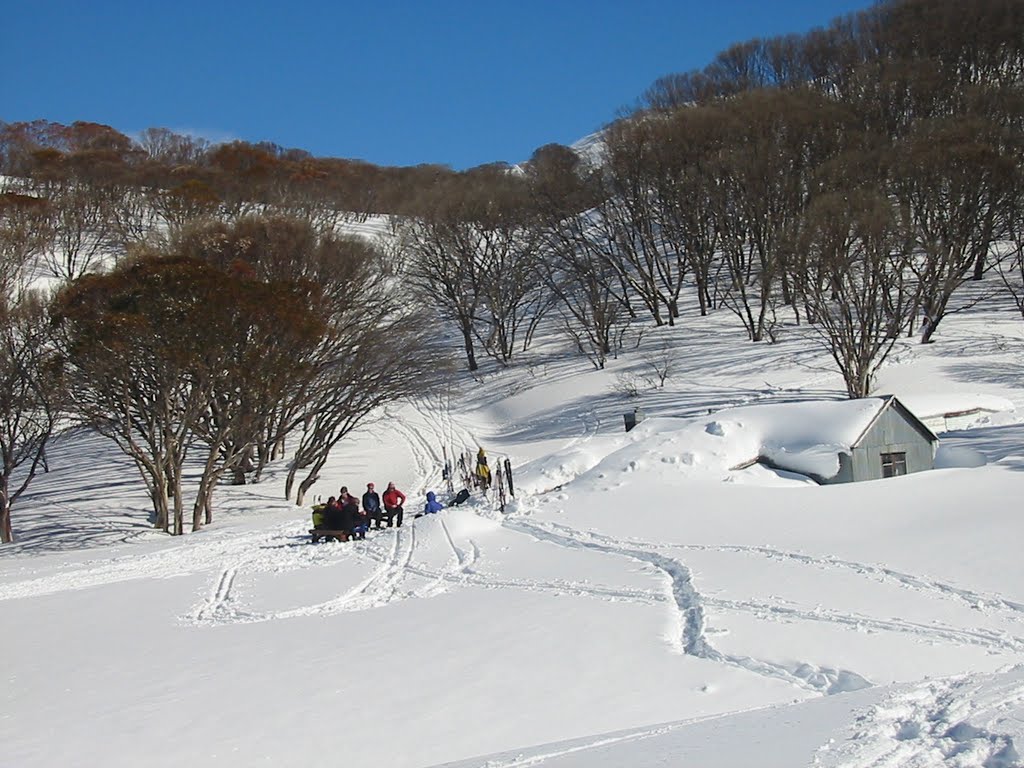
{"x":890,"y":433}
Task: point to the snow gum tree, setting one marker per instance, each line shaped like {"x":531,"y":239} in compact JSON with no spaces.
{"x":472,"y":255}
{"x":574,"y":265}
{"x":162,"y":351}
{"x":31,"y":391}
{"x":379,"y":347}
{"x":24,"y":232}
{"x":310,"y":380}
{"x":773,"y":141}
{"x":31,"y":398}
{"x":859,"y":283}
{"x":953,"y":180}
{"x":685,"y":184}
{"x":441,"y":249}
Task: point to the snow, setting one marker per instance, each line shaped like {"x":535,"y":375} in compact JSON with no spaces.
{"x":803,"y":437}
{"x":640,"y":602}
{"x":938,"y":404}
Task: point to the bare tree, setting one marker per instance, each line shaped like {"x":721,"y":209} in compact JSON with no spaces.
{"x":1009,"y":254}
{"x":442,"y":249}
{"x":173,"y":149}
{"x":372,"y":346}
{"x":953,"y":181}
{"x":24,"y":233}
{"x":512,"y":301}
{"x":631,"y":217}
{"x":573,"y":264}
{"x":82,"y":231}
{"x":773,"y":142}
{"x":191,"y":200}
{"x":31,"y":398}
{"x":859,"y":283}
{"x":685,"y":184}
{"x":379,"y":348}
{"x":362,"y":367}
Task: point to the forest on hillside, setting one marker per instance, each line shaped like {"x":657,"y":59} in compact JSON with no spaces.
{"x":205,"y":299}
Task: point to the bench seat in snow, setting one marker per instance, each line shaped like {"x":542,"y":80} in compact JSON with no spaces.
{"x":324,"y":533}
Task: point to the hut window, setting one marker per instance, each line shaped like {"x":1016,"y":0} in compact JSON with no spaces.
{"x":894,"y":464}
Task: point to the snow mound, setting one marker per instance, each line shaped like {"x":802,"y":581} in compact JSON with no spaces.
{"x":804,"y":438}
{"x":950,"y":457}
{"x":948,"y":412}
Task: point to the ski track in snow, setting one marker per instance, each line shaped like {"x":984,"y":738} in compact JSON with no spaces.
{"x":1013,"y":610}
{"x":543,"y":757}
{"x":985,"y":638}
{"x":962,"y":721}
{"x":219,"y":597}
{"x":981,"y":601}
{"x":690,"y":617}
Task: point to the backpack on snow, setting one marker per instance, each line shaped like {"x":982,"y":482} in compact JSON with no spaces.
{"x":461,"y":497}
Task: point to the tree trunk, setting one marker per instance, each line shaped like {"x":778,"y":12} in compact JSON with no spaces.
{"x":278,"y":450}
{"x":304,"y":486}
{"x":202,"y":509}
{"x":467,"y":338}
{"x":6,"y":533}
{"x":289,"y":482}
{"x":979,"y":265}
{"x":161,"y":504}
{"x":197,"y":507}
{"x":929,"y":331}
{"x":179,"y":505}
{"x":858,"y":381}
{"x":208,"y":502}
{"x":205,"y":485}
{"x":310,"y":479}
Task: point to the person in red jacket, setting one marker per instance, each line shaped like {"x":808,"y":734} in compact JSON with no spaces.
{"x":393,"y":500}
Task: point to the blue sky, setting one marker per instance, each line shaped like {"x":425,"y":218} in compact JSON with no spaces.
{"x":455,"y":82}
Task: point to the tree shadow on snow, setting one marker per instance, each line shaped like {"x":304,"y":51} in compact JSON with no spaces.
{"x":1006,"y":374}
{"x":91,"y":496}
{"x":54,"y":530}
{"x":606,"y":412}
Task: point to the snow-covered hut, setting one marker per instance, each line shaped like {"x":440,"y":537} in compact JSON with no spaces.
{"x":842,"y":442}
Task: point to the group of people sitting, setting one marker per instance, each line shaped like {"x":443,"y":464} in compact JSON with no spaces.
{"x":346,"y":513}
{"x":355,"y":517}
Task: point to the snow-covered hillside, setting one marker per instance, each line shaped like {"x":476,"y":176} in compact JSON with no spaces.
{"x":638,"y":603}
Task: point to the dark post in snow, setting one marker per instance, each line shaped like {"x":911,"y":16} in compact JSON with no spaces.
{"x":634,"y":418}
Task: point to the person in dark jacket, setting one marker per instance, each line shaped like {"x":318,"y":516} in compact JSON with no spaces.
{"x":433,"y":505}
{"x":372,"y":507}
{"x":333,"y":517}
{"x":393,"y":501}
{"x":354,"y":521}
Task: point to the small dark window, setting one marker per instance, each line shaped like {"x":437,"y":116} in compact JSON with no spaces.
{"x":894,"y":464}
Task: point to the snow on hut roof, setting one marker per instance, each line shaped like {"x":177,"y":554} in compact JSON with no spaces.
{"x":802,"y":437}
{"x":807,"y":437}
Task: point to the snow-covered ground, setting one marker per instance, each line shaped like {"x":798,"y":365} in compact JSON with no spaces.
{"x":638,"y":603}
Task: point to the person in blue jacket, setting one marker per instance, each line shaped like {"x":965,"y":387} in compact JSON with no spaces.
{"x":432,"y":505}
